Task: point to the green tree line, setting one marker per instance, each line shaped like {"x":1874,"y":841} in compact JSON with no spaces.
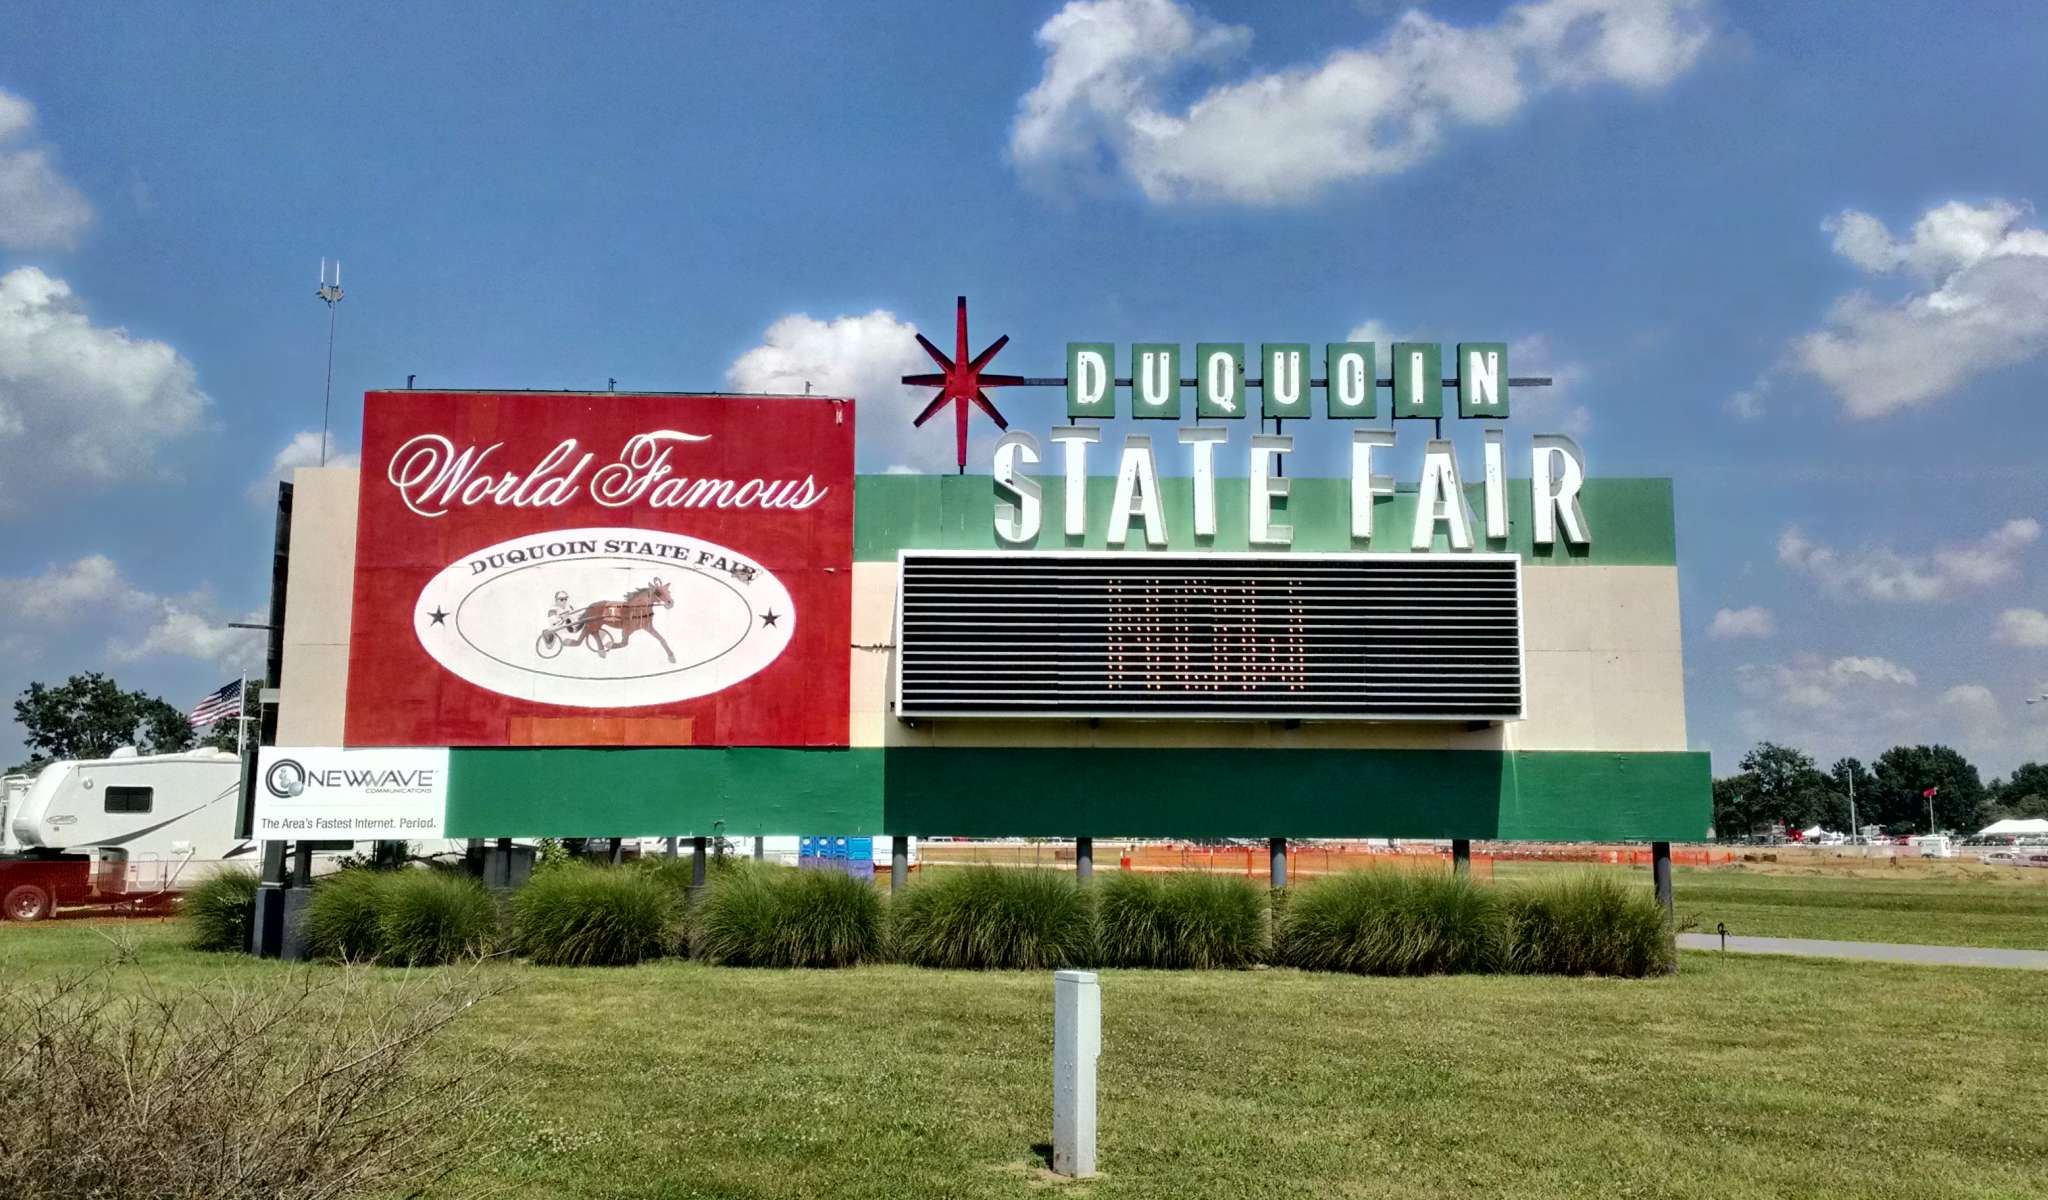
{"x":1781,"y":785}
{"x":90,"y":716}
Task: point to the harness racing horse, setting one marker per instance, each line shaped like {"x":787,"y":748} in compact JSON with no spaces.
{"x":625,"y":617}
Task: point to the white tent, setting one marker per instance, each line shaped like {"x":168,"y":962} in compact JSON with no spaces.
{"x":1810,"y":834}
{"x":2015,"y":827}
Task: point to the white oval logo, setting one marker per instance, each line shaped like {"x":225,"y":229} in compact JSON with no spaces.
{"x":604,"y":618}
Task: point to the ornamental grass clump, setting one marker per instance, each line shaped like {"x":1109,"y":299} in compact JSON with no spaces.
{"x":1586,"y":924}
{"x":761,"y":916}
{"x":1385,"y":922}
{"x":994,"y":917}
{"x":342,"y":917}
{"x":1183,"y":920}
{"x":578,"y":915}
{"x":426,"y":918}
{"x":219,"y":911}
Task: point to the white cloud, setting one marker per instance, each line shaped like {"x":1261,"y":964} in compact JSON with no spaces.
{"x":1978,"y":301}
{"x":1278,"y":137}
{"x":39,"y":209}
{"x":2022,"y":627}
{"x":1751,"y":622}
{"x":91,"y":593}
{"x":1881,"y":573}
{"x":1808,"y":684}
{"x":79,"y":402}
{"x":864,"y":357}
{"x":303,"y":450}
{"x":1974,"y":704}
{"x":192,"y":627}
{"x":62,"y":592}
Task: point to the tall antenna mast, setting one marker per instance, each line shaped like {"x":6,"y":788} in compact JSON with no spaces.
{"x":331,"y":294}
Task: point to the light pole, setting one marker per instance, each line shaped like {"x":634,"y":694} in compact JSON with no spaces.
{"x":330,"y":293}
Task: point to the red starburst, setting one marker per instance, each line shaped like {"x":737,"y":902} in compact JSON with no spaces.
{"x":960,"y":381}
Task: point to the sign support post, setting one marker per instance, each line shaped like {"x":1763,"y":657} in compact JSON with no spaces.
{"x":1084,"y":859}
{"x":899,"y":862}
{"x":1461,"y":856}
{"x":1276,"y":851}
{"x":1076,"y":1044}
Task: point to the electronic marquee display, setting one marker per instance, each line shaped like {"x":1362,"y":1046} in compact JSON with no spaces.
{"x":1210,"y":636}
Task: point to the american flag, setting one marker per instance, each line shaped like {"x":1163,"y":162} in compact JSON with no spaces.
{"x":218,"y":706}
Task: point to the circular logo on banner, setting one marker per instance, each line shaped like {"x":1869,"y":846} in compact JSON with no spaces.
{"x":285,"y":779}
{"x":604,"y":618}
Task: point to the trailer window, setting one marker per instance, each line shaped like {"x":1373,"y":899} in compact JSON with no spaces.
{"x":130,"y":799}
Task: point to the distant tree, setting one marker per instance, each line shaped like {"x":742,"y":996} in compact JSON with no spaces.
{"x":1731,"y":806}
{"x":1839,"y":779}
{"x":90,"y":716}
{"x":1778,"y":785}
{"x":2023,"y":794}
{"x":1904,"y":773}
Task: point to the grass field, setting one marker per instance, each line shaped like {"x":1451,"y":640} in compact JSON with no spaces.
{"x":1943,"y":904}
{"x":1740,"y":1076}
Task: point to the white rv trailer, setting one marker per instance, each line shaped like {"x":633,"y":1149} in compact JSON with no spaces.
{"x":12,"y":789}
{"x":127,"y":828}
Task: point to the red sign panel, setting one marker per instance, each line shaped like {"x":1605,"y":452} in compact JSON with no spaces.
{"x":602,"y":570}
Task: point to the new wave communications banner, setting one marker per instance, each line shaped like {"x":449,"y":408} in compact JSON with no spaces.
{"x":599,"y":570}
{"x":321,"y":793}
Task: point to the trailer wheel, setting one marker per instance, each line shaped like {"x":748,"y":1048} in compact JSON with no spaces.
{"x":26,"y":902}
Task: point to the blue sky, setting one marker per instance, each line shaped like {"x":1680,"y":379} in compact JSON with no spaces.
{"x":1786,"y":254}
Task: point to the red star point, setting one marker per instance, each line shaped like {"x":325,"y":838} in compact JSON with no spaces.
{"x":961,"y":381}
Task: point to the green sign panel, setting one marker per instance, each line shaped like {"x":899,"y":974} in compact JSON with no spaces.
{"x":1285,"y":368}
{"x":1219,"y":379}
{"x":1418,"y":380}
{"x":1091,"y":379}
{"x":1482,"y":379}
{"x":1155,"y":381}
{"x":1353,"y":390}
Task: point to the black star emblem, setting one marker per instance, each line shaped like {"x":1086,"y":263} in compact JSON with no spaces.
{"x":769,"y":618}
{"x":440,"y":618}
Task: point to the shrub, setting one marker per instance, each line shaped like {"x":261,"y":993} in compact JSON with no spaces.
{"x":342,"y":917}
{"x":1391,"y":923}
{"x":430,"y":917}
{"x":220,"y":910}
{"x":997,"y":917}
{"x":579,"y":915}
{"x":304,"y":1085}
{"x":672,"y":874}
{"x":1188,"y":919}
{"x":1587,"y":924}
{"x":759,"y":916}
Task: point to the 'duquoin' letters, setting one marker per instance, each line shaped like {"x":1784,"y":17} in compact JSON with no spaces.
{"x":1557,"y":472}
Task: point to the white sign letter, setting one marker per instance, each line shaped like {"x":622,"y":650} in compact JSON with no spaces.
{"x":1350,"y":386}
{"x":1091,"y":377}
{"x":1496,"y":485}
{"x":1364,"y":484}
{"x":1266,"y":488}
{"x":1205,"y":439}
{"x":1557,"y":468}
{"x":1137,"y":494}
{"x":1016,"y":522}
{"x":1441,"y":498}
{"x":1076,"y":439}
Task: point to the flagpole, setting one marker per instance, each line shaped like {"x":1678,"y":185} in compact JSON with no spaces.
{"x":242,"y":718}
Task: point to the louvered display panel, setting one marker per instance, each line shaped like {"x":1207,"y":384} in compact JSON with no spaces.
{"x":1208,"y":636}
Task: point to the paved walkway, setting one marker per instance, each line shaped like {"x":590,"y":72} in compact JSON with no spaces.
{"x":1958,"y":956}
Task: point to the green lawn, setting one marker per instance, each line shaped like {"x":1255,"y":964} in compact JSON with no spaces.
{"x":1871,"y":904}
{"x":1755,"y":1077}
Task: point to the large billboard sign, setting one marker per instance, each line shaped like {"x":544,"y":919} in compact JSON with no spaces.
{"x":598,"y":570}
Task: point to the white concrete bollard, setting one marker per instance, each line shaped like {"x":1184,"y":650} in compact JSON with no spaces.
{"x":1076,"y":1044}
